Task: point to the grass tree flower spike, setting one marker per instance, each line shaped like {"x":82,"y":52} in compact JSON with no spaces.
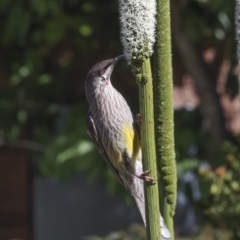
{"x":137,"y":23}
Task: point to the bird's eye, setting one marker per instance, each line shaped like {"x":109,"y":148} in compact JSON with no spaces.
{"x":103,"y":71}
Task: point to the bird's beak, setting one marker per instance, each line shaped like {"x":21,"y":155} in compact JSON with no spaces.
{"x":118,"y":58}
{"x":109,"y":70}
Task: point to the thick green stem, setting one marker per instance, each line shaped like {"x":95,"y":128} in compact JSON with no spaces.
{"x":144,"y":78}
{"x":168,"y":218}
{"x":163,"y":91}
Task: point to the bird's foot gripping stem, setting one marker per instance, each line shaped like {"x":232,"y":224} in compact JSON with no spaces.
{"x":144,"y":176}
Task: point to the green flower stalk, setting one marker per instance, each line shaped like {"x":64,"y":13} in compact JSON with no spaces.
{"x":137,"y":24}
{"x":164,"y":111}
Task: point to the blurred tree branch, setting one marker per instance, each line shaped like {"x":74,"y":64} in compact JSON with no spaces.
{"x":193,"y":61}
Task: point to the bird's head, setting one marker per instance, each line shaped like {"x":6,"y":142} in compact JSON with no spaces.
{"x":101,"y":72}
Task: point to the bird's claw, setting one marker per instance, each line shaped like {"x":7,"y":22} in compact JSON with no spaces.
{"x":144,"y":176}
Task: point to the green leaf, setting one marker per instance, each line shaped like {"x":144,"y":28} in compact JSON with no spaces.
{"x":85,"y":30}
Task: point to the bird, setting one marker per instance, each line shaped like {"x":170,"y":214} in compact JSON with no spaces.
{"x":115,"y":132}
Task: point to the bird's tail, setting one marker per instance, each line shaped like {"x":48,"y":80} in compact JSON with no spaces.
{"x":135,"y":186}
{"x":164,"y":231}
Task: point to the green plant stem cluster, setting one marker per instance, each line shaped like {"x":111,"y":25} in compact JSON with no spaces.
{"x":144,"y":79}
{"x":222,"y":191}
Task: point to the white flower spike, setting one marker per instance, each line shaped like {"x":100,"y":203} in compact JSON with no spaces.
{"x":137,"y":25}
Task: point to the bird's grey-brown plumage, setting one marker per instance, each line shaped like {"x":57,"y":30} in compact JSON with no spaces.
{"x":112,"y":128}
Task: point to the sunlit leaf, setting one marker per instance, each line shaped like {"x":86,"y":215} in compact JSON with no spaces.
{"x":85,"y":30}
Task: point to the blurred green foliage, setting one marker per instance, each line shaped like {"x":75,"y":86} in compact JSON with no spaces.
{"x":191,"y":140}
{"x":138,"y":232}
{"x":208,"y":18}
{"x":222,"y":191}
{"x":47,"y":48}
{"x":134,"y":232}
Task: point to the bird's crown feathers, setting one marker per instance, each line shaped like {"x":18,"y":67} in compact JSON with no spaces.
{"x":99,"y":67}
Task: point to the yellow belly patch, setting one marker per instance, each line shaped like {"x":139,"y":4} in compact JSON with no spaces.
{"x":128,"y":138}
{"x":130,"y":144}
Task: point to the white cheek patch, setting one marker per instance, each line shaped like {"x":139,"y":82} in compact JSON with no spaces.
{"x":104,"y":82}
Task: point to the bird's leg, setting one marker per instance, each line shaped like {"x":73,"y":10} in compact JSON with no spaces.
{"x":139,"y":119}
{"x":144,"y":176}
{"x":138,"y":122}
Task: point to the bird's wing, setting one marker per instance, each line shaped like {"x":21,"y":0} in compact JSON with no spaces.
{"x":93,"y":133}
